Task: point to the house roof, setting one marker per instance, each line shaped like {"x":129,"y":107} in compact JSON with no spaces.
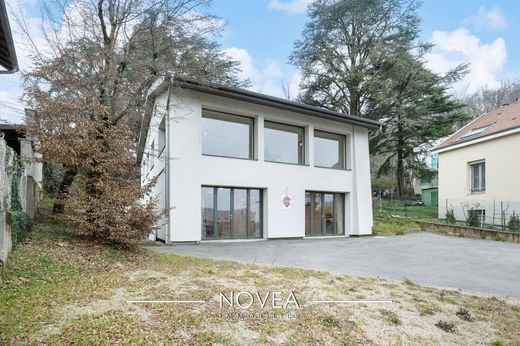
{"x":246,"y":96}
{"x":489,"y":125}
{"x":11,"y":133}
{"x":7,"y":52}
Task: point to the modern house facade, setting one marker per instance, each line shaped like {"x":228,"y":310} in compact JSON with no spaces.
{"x":479,"y":167}
{"x":234,"y":164}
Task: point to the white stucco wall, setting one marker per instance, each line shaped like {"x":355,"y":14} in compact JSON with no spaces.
{"x":502,"y":177}
{"x":189,"y":169}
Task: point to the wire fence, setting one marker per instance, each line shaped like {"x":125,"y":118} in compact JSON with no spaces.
{"x":497,"y":214}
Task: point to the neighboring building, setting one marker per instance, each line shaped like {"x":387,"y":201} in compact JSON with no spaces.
{"x":19,"y":138}
{"x":235,"y":164}
{"x":431,"y":161}
{"x":479,"y":167}
{"x":7,"y":52}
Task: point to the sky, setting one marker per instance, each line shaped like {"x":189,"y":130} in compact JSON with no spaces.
{"x":261,"y":34}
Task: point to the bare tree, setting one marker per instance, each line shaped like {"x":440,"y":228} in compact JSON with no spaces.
{"x":487,"y":99}
{"x":108,"y":53}
{"x":286,"y":88}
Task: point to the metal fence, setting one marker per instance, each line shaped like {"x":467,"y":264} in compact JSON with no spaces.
{"x":493,"y":214}
{"x":496,"y":214}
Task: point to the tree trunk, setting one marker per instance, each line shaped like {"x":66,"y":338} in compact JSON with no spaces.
{"x":68,"y":178}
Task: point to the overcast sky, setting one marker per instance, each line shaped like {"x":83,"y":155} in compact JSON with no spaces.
{"x":260,"y":34}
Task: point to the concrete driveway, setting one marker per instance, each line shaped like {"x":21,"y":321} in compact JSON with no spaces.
{"x":483,"y":266}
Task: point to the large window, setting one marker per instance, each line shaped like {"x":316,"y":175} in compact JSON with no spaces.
{"x":329,"y":150}
{"x":227,"y":135}
{"x":283,"y":143}
{"x":478,"y":176}
{"x":324,"y":214}
{"x":231,"y":213}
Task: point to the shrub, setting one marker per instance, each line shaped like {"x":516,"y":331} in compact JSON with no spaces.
{"x":446,"y":326}
{"x":514,"y":223}
{"x":473,"y":218}
{"x":465,"y":315}
{"x":450,"y":216}
{"x":391,"y":317}
{"x":20,"y":226}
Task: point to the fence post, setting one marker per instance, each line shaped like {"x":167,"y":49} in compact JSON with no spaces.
{"x":502,"y":221}
{"x":494,"y":213}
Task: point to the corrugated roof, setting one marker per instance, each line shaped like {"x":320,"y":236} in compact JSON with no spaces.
{"x":499,"y":120}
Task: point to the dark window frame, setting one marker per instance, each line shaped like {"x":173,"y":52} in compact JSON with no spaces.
{"x":237,"y":119}
{"x":322,"y":212}
{"x":342,"y":139}
{"x":231,"y":207}
{"x":273,"y":125}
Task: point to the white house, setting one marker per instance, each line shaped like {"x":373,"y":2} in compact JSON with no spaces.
{"x":235,"y":164}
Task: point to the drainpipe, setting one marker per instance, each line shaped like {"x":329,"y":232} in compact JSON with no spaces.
{"x":167,"y":163}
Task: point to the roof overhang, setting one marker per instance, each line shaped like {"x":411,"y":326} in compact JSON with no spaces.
{"x":162,"y":85}
{"x":7,"y":52}
{"x":477,"y":140}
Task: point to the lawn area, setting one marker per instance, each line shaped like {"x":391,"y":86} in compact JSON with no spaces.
{"x":394,"y":226}
{"x":386,"y":208}
{"x":59,"y":290}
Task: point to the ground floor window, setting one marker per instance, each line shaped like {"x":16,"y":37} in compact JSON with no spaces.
{"x":231,"y":213}
{"x":324,"y":213}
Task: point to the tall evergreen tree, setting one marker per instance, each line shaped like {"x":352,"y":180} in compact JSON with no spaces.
{"x":348,"y":45}
{"x":416,"y":109}
{"x":364,"y":58}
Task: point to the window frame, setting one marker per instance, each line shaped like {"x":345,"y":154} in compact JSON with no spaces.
{"x":232,"y":118}
{"x":283,"y":127}
{"x":232,"y":210}
{"x":322,"y":221}
{"x":481,"y":174}
{"x":342,"y":145}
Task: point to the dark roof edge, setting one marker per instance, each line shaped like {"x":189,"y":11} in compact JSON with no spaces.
{"x":275,"y":102}
{"x":9,"y":38}
{"x":242,"y":95}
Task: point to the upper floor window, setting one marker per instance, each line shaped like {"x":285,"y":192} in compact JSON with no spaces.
{"x":329,"y":150}
{"x":478,"y":176}
{"x":283,"y":143}
{"x":227,"y":135}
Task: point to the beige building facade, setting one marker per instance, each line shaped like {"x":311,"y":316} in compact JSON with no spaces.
{"x":479,"y":167}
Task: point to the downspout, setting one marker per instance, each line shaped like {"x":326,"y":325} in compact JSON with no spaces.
{"x":167,"y":163}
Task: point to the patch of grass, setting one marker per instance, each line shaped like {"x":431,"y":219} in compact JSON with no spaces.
{"x":426,"y":310}
{"x":394,"y":226}
{"x":409,"y":283}
{"x":330,"y":321}
{"x":448,"y":327}
{"x":391,"y":317}
{"x":95,"y":330}
{"x":211,"y":338}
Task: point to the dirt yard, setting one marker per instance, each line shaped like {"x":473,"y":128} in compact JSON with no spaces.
{"x":58,"y":290}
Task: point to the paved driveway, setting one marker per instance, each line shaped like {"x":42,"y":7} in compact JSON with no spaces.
{"x":483,"y":266}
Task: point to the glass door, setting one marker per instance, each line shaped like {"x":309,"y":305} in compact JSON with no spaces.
{"x":231,"y":213}
{"x":324,"y":214}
